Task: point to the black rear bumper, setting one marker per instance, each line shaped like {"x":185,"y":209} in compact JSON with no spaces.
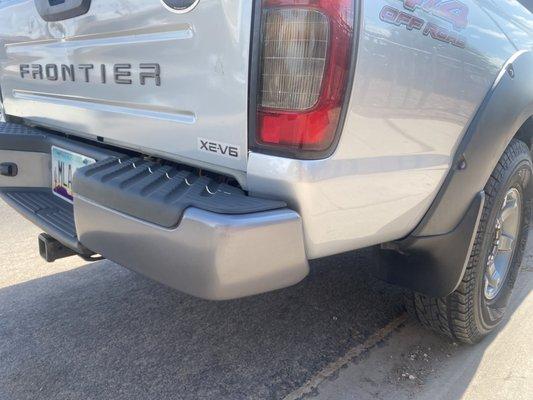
{"x":173,"y":224}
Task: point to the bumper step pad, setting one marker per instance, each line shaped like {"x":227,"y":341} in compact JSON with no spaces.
{"x":47,"y":211}
{"x":160,"y":194}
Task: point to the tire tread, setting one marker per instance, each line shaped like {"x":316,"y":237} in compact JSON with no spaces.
{"x":453,"y":315}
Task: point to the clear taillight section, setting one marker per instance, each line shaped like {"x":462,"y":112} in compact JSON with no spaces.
{"x":295,"y":44}
{"x":304,"y":68}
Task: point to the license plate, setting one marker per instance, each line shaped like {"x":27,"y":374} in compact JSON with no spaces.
{"x":64,"y":164}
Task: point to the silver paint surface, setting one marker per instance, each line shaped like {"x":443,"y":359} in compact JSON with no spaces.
{"x":204,"y":70}
{"x":412,"y":101}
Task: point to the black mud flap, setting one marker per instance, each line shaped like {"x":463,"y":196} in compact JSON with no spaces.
{"x":432,"y":265}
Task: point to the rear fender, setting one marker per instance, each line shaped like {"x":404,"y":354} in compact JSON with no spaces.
{"x":433,"y":259}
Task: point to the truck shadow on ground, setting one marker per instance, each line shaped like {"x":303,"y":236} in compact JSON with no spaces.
{"x":103,"y":332}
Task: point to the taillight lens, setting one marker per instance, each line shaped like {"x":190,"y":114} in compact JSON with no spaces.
{"x":304,"y":69}
{"x":295,"y":44}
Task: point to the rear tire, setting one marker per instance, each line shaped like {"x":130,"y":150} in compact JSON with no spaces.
{"x":478,"y":305}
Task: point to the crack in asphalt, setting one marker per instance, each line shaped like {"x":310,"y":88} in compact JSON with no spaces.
{"x":382,"y":334}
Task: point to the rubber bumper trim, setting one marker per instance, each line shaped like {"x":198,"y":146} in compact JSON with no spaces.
{"x":159,"y":193}
{"x":53,"y":215}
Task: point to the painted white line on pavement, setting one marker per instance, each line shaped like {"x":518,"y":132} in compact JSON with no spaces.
{"x":380,"y":335}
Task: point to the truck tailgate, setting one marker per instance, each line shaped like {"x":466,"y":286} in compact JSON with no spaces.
{"x":136,"y":74}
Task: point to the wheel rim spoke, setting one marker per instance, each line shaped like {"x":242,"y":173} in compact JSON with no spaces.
{"x":493,"y":276}
{"x":506,"y":242}
{"x":505,"y":237}
{"x":510,"y":207}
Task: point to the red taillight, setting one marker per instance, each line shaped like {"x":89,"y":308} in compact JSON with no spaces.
{"x":305,"y":63}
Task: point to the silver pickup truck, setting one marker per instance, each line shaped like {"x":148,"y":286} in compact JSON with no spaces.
{"x":217,"y":146}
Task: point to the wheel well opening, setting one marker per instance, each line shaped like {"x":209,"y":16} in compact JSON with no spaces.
{"x":525,"y":133}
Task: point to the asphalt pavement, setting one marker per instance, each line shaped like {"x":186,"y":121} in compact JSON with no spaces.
{"x":73,"y":330}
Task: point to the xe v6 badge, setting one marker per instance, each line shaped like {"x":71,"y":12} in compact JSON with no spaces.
{"x":219,"y":148}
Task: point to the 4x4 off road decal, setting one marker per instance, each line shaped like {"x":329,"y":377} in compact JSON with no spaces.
{"x":452,"y":11}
